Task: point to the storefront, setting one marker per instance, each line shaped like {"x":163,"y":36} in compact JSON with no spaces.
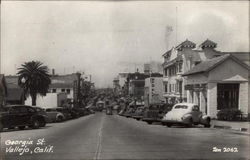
{"x":219,"y":83}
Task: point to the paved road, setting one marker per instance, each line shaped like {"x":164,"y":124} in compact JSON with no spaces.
{"x":103,"y":136}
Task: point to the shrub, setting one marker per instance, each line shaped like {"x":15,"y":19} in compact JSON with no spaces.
{"x":229,"y":114}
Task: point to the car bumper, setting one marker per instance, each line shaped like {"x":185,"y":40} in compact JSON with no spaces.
{"x":174,"y":121}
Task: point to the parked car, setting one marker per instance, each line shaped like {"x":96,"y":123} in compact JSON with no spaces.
{"x":186,"y":114}
{"x":138,"y":114}
{"x":154,"y":113}
{"x":55,"y":115}
{"x":20,"y":116}
{"x":42,"y":112}
{"x":129,"y":111}
{"x":109,"y":110}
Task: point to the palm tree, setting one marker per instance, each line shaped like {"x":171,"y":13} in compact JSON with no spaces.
{"x":34,"y":78}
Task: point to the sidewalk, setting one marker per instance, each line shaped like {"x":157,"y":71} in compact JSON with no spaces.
{"x":238,"y":126}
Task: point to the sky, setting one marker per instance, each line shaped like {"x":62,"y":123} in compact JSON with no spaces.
{"x":104,"y":38}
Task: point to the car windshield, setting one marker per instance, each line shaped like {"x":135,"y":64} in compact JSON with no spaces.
{"x":181,"y":107}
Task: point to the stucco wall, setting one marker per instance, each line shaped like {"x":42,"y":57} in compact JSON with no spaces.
{"x":212,"y":99}
{"x":244,"y":98}
{"x":228,"y":71}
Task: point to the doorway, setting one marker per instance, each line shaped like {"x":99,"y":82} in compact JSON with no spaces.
{"x":227,"y":95}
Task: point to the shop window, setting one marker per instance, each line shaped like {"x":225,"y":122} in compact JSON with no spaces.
{"x":63,"y":90}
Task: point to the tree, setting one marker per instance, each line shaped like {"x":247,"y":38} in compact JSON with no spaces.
{"x":34,"y":78}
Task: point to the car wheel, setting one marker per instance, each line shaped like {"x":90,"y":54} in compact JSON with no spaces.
{"x":169,"y":124}
{"x":35,"y":124}
{"x":190,"y":123}
{"x":42,"y":123}
{"x":21,"y":127}
{"x":149,"y":122}
{"x":1,"y":127}
{"x":207,"y":125}
{"x":59,"y":119}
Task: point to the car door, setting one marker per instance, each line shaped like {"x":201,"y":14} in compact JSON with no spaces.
{"x":24,"y":116}
{"x":13,"y":116}
{"x":195,"y":113}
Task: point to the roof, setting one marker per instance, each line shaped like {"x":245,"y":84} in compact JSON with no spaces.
{"x":210,"y":64}
{"x":168,"y":52}
{"x":186,"y":44}
{"x":208,"y":44}
{"x":14,"y":94}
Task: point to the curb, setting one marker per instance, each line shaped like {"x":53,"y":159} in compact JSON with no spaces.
{"x":229,"y":127}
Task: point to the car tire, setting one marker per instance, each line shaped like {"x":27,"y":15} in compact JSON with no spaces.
{"x":59,"y":119}
{"x":21,"y":127}
{"x":42,"y":123}
{"x":207,"y":125}
{"x":35,"y":124}
{"x":169,"y":125}
{"x":190,"y":123}
{"x":149,"y":122}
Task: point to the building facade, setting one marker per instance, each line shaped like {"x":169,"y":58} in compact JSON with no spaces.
{"x":179,"y":60}
{"x":153,"y":90}
{"x":219,"y":83}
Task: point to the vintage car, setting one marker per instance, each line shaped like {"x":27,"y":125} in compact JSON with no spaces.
{"x":155,"y":112}
{"x":138,"y":114}
{"x":186,"y":114}
{"x":109,"y":110}
{"x":55,"y":115}
{"x":20,"y":116}
{"x":128,"y":113}
{"x":100,"y":105}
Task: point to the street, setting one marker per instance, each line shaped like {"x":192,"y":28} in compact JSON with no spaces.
{"x":101,"y":136}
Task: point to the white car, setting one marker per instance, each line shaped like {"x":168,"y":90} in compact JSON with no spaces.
{"x":186,"y":114}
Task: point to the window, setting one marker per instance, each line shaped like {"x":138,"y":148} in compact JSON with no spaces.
{"x":166,"y":87}
{"x":31,"y":110}
{"x":195,"y":108}
{"x":53,"y":90}
{"x":181,"y":107}
{"x":180,"y":67}
{"x":23,"y":110}
{"x":153,"y":85}
{"x":68,"y":91}
{"x":166,"y":71}
{"x":152,"y":80}
{"x":63,"y":90}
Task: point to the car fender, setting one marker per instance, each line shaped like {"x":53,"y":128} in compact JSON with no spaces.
{"x":60,"y":114}
{"x":204,"y":119}
{"x":186,"y":117}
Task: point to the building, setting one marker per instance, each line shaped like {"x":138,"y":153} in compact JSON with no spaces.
{"x":15,"y":92}
{"x":116,"y":86}
{"x":3,"y":90}
{"x":64,"y":84}
{"x":153,"y":90}
{"x":219,"y":83}
{"x":51,"y":100}
{"x":153,"y":67}
{"x":179,"y":60}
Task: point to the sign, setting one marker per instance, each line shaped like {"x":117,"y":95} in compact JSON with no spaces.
{"x":189,"y":87}
{"x":196,"y":87}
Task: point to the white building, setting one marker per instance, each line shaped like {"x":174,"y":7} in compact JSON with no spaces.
{"x":49,"y":101}
{"x":153,"y":90}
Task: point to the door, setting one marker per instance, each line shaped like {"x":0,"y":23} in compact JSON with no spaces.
{"x":227,"y":96}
